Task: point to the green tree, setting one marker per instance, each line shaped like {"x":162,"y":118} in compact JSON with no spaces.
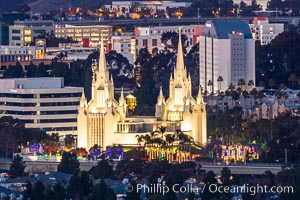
{"x":76,"y":75}
{"x":102,"y":170}
{"x":17,"y":166}
{"x":69,"y":163}
{"x":241,"y":83}
{"x":134,"y":194}
{"x":80,"y":185}
{"x":293,"y":79}
{"x":28,"y":191}
{"x":38,"y":191}
{"x":220,"y":80}
{"x":15,"y":71}
{"x":226,"y":180}
{"x":42,"y":70}
{"x":102,"y":192}
{"x":147,"y":89}
{"x":251,"y":84}
{"x":210,"y":178}
{"x":60,"y":69}
{"x":271,"y":83}
{"x":31,"y":70}
{"x":170,"y":41}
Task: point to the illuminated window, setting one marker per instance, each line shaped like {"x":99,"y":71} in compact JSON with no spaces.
{"x":27,"y":32}
{"x":39,"y":54}
{"x":27,"y":39}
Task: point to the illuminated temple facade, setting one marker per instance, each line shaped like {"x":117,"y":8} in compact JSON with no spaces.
{"x":105,"y":121}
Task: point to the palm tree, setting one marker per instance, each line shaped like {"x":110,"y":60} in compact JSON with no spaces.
{"x":140,"y":139}
{"x":271,"y":83}
{"x":170,"y":139}
{"x":147,"y":139}
{"x":231,"y":87}
{"x":162,"y":130}
{"x":251,"y":84}
{"x":241,"y":82}
{"x":210,"y":84}
{"x":220,"y":80}
{"x":293,"y":79}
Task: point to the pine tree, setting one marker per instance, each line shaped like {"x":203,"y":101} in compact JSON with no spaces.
{"x":17,"y":166}
{"x":69,"y":163}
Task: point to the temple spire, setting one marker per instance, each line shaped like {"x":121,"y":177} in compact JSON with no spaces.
{"x":122,"y":99}
{"x":180,"y":61}
{"x":111,"y":79}
{"x":82,"y":100}
{"x":188,"y":97}
{"x":199,"y":96}
{"x":161,"y":98}
{"x":102,"y":60}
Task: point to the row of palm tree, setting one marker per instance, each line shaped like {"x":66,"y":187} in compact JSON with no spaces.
{"x":241,"y":83}
{"x":159,"y":139}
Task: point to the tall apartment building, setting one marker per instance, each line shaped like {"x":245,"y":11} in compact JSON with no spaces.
{"x":227,"y":50}
{"x":81,"y":33}
{"x":263,"y":31}
{"x":43,"y":103}
{"x":23,"y":32}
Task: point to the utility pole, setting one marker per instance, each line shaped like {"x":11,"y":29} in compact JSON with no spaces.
{"x":271,"y":130}
{"x":285,"y":152}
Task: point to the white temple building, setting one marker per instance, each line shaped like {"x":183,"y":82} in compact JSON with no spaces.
{"x":104,"y":120}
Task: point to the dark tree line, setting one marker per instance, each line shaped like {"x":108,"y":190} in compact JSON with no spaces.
{"x":15,"y":134}
{"x":278,"y":63}
{"x":156,"y":68}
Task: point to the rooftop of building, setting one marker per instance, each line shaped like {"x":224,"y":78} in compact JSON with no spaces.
{"x":79,"y":25}
{"x":51,"y":178}
{"x":221,"y":29}
{"x":32,"y":83}
{"x":33,"y":22}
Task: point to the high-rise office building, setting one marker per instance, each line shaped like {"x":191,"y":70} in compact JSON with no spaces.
{"x":227,"y":55}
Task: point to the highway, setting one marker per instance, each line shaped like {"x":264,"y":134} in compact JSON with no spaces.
{"x":161,"y":21}
{"x":239,"y":168}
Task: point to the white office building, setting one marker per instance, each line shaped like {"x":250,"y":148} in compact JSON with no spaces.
{"x":43,"y":103}
{"x":84,"y":33}
{"x":125,"y":45}
{"x":24,"y":32}
{"x":227,"y":50}
{"x":264,"y":31}
{"x":151,"y":36}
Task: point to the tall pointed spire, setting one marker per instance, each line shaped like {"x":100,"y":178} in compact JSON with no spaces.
{"x":102,"y":60}
{"x":122,"y":99}
{"x":200,"y":97}
{"x":82,"y":100}
{"x":111,"y":79}
{"x":161,"y":98}
{"x":180,"y":61}
{"x":188,"y":97}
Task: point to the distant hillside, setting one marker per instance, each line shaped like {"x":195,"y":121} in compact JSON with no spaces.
{"x":49,"y":5}
{"x":11,"y":5}
{"x":44,"y":6}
